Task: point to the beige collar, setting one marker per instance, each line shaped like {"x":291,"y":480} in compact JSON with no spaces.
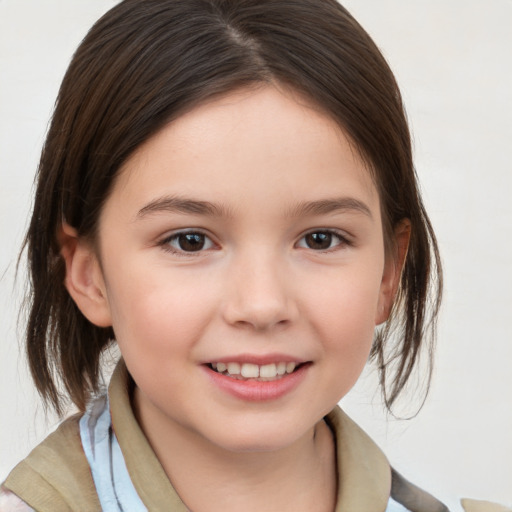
{"x":364,"y":475}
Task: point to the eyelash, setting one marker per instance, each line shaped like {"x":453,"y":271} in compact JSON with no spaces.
{"x":331,"y":235}
{"x":166,"y":243}
{"x":343,"y":241}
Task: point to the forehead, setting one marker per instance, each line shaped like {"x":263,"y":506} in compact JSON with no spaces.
{"x":265,"y":138}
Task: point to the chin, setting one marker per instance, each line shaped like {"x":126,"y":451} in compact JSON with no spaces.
{"x":259,"y":438}
{"x":255,"y":446}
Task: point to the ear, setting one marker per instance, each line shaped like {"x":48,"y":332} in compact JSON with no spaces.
{"x":84,"y":277}
{"x":393,"y":270}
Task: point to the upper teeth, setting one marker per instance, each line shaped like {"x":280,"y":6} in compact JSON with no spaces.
{"x":249,"y":370}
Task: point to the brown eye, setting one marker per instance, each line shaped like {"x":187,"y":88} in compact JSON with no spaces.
{"x":191,"y":241}
{"x":318,"y":241}
{"x":321,"y":240}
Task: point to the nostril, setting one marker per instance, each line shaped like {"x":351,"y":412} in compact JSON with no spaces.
{"x":260,"y":304}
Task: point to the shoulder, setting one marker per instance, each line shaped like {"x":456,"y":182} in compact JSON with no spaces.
{"x":56,"y":476}
{"x":368,"y":476}
{"x":483,"y":506}
{"x":406,"y":496}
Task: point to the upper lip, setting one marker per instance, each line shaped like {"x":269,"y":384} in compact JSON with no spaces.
{"x":258,"y":359}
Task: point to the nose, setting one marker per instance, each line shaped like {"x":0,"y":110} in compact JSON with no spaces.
{"x":258,"y":294}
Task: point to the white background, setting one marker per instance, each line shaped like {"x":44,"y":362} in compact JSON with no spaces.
{"x":453,"y":60}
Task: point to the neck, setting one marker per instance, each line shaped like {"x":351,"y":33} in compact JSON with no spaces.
{"x":298,"y":477}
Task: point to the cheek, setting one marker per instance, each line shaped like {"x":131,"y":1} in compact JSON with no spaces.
{"x":347,"y":302}
{"x":343,"y":316}
{"x":156,"y":313}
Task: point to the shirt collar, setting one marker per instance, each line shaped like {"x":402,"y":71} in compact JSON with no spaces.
{"x":364,"y":475}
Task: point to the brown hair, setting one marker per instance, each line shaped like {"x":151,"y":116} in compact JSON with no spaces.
{"x":146,"y":62}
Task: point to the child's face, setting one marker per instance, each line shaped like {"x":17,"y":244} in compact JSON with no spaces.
{"x":248,"y":232}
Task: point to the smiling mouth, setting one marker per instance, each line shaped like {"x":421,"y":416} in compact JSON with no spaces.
{"x":250,"y":371}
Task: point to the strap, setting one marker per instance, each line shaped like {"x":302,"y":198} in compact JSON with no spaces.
{"x":412,"y":497}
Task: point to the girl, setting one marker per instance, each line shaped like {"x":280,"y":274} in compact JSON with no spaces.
{"x":227,"y":191}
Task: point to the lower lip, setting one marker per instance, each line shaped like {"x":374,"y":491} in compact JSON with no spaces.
{"x":256,"y":391}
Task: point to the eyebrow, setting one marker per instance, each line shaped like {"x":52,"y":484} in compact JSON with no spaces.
{"x":327,"y":206}
{"x":176,"y":204}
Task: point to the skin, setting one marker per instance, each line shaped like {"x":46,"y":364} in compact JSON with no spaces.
{"x":258,"y":287}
